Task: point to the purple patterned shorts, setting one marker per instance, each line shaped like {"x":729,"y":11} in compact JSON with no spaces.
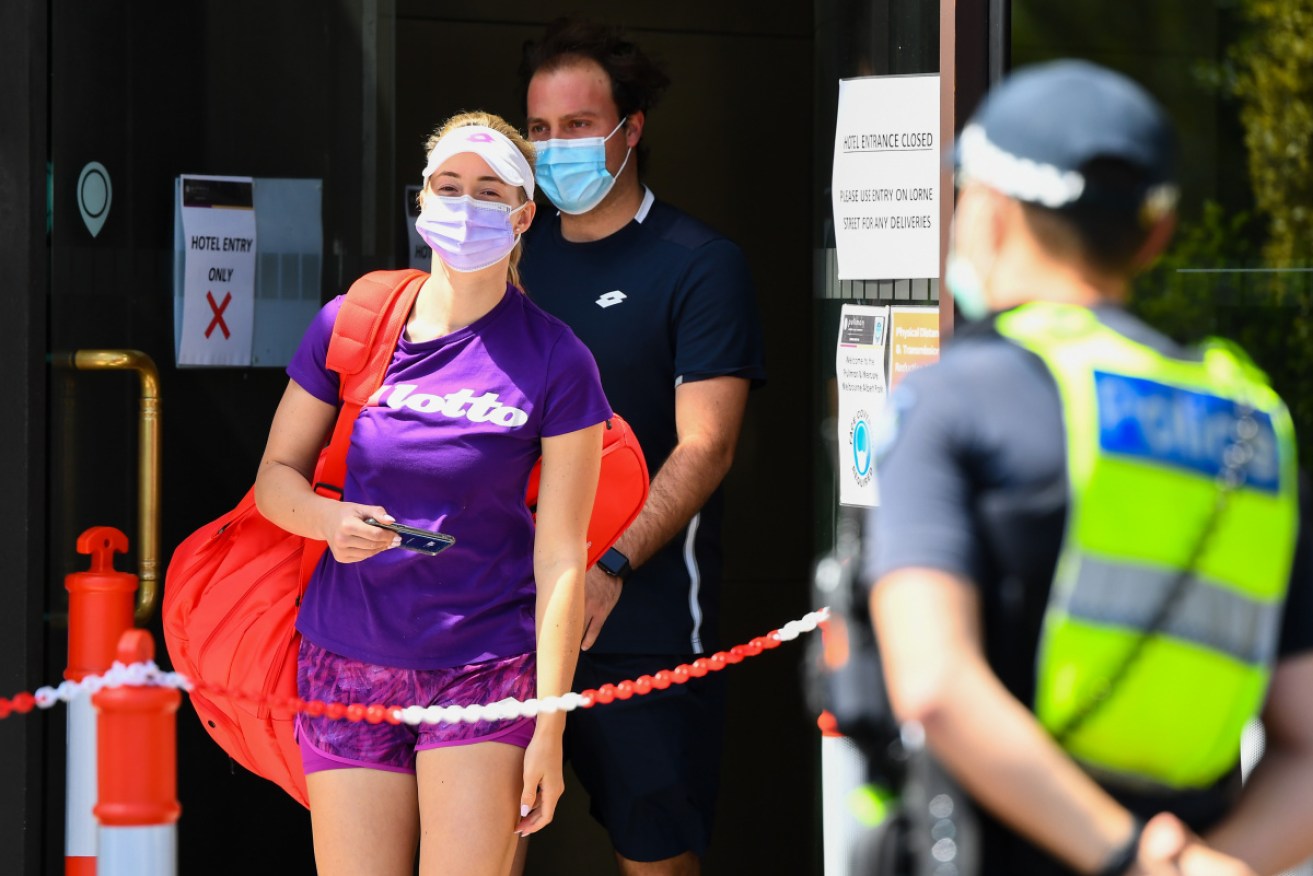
{"x":327,"y":744}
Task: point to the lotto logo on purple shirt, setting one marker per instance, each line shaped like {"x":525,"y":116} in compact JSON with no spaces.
{"x":461,"y":404}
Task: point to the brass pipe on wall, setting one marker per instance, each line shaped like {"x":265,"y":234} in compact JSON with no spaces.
{"x":148,"y":465}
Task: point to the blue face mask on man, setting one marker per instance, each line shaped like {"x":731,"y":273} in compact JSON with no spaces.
{"x":573,"y":172}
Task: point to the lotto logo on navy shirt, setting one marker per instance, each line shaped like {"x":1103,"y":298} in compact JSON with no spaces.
{"x":1181,"y":428}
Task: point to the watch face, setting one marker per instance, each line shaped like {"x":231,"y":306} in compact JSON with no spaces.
{"x":613,"y":563}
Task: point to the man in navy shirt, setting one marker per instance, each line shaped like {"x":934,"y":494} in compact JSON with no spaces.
{"x":668,"y":308}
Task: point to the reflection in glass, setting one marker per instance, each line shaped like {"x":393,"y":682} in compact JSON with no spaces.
{"x":1237,"y":77}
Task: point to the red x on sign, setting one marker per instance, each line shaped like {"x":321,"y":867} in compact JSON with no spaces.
{"x":218,"y":314}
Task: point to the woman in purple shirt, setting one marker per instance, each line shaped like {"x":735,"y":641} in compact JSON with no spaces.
{"x":481,"y":385}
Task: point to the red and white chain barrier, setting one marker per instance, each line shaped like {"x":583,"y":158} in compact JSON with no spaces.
{"x":147,"y":674}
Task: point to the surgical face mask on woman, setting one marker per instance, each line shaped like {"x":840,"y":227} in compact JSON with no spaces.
{"x":573,"y":172}
{"x":467,"y":234}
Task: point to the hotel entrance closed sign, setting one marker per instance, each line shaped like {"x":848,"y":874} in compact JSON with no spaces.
{"x":885,"y":185}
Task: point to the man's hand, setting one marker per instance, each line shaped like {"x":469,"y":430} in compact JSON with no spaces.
{"x":1169,"y":847}
{"x":601,"y":593}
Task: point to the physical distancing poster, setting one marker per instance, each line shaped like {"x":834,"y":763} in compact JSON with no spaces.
{"x":860,"y":375}
{"x":914,"y":341}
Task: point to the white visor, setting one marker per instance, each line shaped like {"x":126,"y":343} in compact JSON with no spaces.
{"x":494,"y":147}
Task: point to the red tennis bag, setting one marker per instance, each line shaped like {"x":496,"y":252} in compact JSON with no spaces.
{"x":232,"y":588}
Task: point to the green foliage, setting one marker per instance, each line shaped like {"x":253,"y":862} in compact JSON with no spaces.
{"x":1229,"y":273}
{"x":1237,"y":77}
{"x":1215,"y":281}
{"x":1177,"y":295}
{"x":1273,"y":66}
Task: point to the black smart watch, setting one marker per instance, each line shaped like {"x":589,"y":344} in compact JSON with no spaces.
{"x":614,"y":564}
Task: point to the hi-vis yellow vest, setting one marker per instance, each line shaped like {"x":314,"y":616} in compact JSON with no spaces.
{"x":1146,"y":437}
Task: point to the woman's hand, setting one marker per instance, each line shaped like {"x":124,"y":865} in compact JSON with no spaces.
{"x":349,"y":537}
{"x":544,"y":780}
{"x":283,"y":490}
{"x":565,"y":498}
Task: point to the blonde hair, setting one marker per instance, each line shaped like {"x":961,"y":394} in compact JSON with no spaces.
{"x":501,"y":126}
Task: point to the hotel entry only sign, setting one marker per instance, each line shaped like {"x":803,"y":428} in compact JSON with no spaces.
{"x":215,"y":235}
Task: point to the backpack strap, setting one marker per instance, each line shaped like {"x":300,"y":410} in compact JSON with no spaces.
{"x":367,"y":328}
{"x":364,"y":337}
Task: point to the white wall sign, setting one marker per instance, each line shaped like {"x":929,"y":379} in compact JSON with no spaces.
{"x":216,"y":220}
{"x":885,"y":186}
{"x":289,"y":267}
{"x":860,"y":370}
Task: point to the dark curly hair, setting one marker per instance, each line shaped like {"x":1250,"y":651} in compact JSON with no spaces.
{"x":637,"y":82}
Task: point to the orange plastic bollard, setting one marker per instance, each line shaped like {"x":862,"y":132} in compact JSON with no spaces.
{"x":828,"y":726}
{"x":100,"y":608}
{"x":100,"y":604}
{"x":137,"y":747}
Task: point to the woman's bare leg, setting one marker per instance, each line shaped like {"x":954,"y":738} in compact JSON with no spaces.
{"x":469,"y":803}
{"x":365,"y":822}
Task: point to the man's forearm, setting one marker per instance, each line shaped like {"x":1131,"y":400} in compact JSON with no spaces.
{"x":708,"y":415}
{"x":679,"y":489}
{"x":993,"y":745}
{"x":1269,"y":828}
{"x":927,"y":623}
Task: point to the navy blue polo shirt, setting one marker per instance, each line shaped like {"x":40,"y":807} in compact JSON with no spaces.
{"x":662,"y":301}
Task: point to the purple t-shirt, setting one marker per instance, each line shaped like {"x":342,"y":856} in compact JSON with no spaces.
{"x":448,"y":443}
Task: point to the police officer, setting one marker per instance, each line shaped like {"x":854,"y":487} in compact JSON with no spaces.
{"x":1085,"y":570}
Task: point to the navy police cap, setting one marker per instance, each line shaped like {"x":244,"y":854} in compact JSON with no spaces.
{"x":1045,"y":132}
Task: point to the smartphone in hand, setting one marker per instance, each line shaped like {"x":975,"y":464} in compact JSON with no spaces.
{"x":422,"y":541}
